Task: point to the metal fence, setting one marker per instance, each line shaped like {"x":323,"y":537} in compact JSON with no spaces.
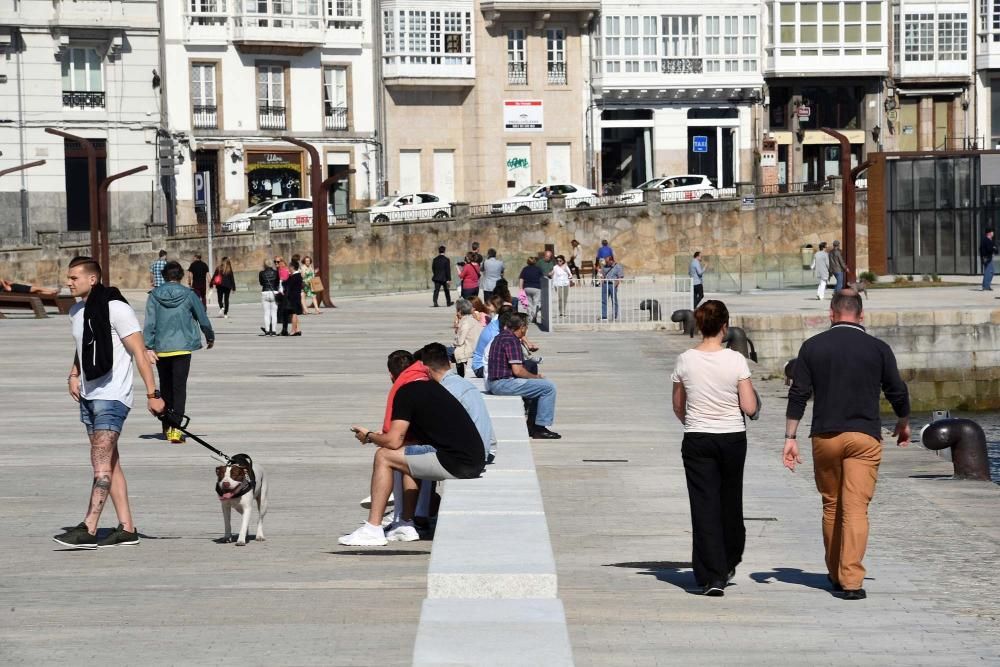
{"x":746,"y":272}
{"x":644,"y":302}
{"x":406,"y":215}
{"x":604,"y":200}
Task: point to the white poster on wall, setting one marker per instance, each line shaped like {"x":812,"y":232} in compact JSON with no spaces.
{"x":522,"y":116}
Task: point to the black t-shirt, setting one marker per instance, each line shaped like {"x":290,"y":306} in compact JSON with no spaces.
{"x":438,"y":419}
{"x":198,"y":271}
{"x":532,"y":276}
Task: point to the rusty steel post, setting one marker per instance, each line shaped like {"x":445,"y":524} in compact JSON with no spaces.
{"x":321,"y":231}
{"x":88,"y":148}
{"x":104,"y":214}
{"x":847,"y":197}
{"x":20,"y":167}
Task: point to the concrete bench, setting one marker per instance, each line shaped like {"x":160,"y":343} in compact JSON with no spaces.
{"x":505,"y":406}
{"x":499,"y":491}
{"x":478,"y":383}
{"x":24,"y":302}
{"x":491,"y":633}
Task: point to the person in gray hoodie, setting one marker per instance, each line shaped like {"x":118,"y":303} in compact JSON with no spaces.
{"x":173,"y":315}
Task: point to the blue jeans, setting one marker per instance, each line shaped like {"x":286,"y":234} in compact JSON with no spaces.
{"x":988,"y":274}
{"x":542,"y":390}
{"x":609,"y":290}
{"x":840,"y":281}
{"x":98,"y":415}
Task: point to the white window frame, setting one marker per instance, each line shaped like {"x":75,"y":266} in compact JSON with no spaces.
{"x":952,"y":36}
{"x":274,"y":75}
{"x":86,"y":60}
{"x":517,"y":53}
{"x":555,"y":55}
{"x":918,"y":36}
{"x":203,"y":85}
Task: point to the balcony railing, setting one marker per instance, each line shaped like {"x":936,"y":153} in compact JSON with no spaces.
{"x":557,"y":74}
{"x":271,"y":118}
{"x":207,"y":18}
{"x":205,"y":116}
{"x":680,"y":65}
{"x":517,"y":74}
{"x":344,"y":14}
{"x":83,"y":99}
{"x":336,"y":118}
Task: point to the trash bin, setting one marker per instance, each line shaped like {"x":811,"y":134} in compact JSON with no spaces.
{"x":807,"y":255}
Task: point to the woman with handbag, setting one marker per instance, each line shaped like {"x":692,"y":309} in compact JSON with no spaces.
{"x":562,"y":278}
{"x":224,"y":283}
{"x":312,"y":286}
{"x":712,"y":394}
{"x":293,"y":300}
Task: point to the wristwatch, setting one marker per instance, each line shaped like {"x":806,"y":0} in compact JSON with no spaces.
{"x":368,"y":438}
{"x":155,"y":394}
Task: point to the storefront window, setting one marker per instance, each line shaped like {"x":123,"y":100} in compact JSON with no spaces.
{"x":273,"y":175}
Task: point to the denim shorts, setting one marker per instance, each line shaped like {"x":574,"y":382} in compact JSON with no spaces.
{"x":98,"y":415}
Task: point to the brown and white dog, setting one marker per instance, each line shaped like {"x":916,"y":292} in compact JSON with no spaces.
{"x":240,"y":483}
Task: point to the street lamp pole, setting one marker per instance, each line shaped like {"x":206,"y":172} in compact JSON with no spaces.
{"x":91,"y":152}
{"x":847,"y":200}
{"x":321,"y":232}
{"x":105,"y":225}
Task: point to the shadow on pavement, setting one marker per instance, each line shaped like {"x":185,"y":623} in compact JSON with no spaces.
{"x":677,"y":573}
{"x":792,"y":575}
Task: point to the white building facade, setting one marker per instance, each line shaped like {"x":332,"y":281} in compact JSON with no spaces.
{"x":987,"y":74}
{"x":242,"y":74}
{"x":86,"y":68}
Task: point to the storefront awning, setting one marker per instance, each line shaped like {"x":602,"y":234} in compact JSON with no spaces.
{"x":820,"y":137}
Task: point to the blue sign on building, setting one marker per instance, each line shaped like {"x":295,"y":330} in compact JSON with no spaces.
{"x":699,"y":144}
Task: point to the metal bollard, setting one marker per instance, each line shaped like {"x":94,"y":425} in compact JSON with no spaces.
{"x":736,"y":339}
{"x":653,"y":306}
{"x":686,"y":318}
{"x":968,"y":446}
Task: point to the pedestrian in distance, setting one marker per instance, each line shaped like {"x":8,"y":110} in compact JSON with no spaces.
{"x":529,"y":283}
{"x":821,"y":270}
{"x":441,"y":276}
{"x":469,"y":276}
{"x":292,"y":289}
{"x":269,"y":287}
{"x":22,"y":288}
{"x":612,"y":275}
{"x":712,"y":393}
{"x":838,"y":266}
{"x":547,"y":262}
{"x":198,"y":280}
{"x":603,"y":253}
{"x":467,"y":332}
{"x":156,"y":270}
{"x":697,"y":272}
{"x":108,"y":340}
{"x":171,"y":333}
{"x":562,"y":278}
{"x":224,"y":282}
{"x":987,"y":249}
{"x":575,"y":258}
{"x":492,"y":273}
{"x":310,"y":296}
{"x":844,"y":369}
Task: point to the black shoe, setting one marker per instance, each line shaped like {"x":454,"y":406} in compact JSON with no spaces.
{"x":77,"y":538}
{"x":542,"y":433}
{"x":297,"y":333}
{"x":120,"y":537}
{"x":284,"y":333}
{"x":858,"y":594}
{"x":714,"y":590}
{"x":834,"y":585}
{"x":263,"y":331}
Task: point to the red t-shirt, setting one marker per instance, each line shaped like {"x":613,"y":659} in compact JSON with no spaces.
{"x":469,"y":276}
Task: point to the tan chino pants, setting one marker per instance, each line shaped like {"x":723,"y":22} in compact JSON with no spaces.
{"x":846,"y":469}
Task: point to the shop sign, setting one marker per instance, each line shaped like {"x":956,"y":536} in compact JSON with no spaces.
{"x":522,"y":116}
{"x":769,"y":153}
{"x":273,"y":160}
{"x":804,"y":112}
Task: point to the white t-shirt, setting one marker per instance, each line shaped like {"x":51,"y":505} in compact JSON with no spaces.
{"x":117,"y":384}
{"x":486,"y":361}
{"x":710,"y":380}
{"x":561,"y":276}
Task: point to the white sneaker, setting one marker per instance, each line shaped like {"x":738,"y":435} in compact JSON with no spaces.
{"x":367,"y":502}
{"x":365,"y":536}
{"x":402,"y":532}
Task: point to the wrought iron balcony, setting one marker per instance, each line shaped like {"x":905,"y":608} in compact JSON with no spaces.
{"x":681,"y":65}
{"x":517,"y":74}
{"x":557,"y":74}
{"x":271,"y":118}
{"x":205,"y":116}
{"x":84,"y":99}
{"x":335,"y":118}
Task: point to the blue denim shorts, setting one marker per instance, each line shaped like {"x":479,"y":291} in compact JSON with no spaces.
{"x":98,"y":415}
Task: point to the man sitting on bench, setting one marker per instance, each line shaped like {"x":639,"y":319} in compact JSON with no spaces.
{"x":20,"y":288}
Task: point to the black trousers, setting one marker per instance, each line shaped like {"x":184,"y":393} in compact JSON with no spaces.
{"x":699,"y":294}
{"x":438,"y":286}
{"x":713,"y":465}
{"x":223,"y":293}
{"x":460,"y":369}
{"x":173,"y":373}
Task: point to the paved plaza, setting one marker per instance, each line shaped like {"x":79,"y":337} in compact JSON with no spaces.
{"x":614,"y":494}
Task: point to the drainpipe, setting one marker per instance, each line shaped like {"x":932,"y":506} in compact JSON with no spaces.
{"x":381,"y":186}
{"x":166,"y":182}
{"x":25,"y":231}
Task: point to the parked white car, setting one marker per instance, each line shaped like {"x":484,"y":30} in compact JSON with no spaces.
{"x":536,"y":198}
{"x":675,"y":188}
{"x":294,"y":213}
{"x":410,"y":206}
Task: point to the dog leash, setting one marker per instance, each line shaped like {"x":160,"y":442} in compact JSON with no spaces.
{"x":180,"y":422}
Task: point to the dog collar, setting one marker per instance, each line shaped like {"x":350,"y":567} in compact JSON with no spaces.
{"x":246,"y":486}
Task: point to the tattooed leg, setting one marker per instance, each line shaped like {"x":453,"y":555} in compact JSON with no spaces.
{"x":102,"y":447}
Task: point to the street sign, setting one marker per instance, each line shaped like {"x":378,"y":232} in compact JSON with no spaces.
{"x":201,"y":189}
{"x":803,"y":112}
{"x":699,"y":144}
{"x":748,"y":203}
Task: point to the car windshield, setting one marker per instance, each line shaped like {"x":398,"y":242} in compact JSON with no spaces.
{"x":526,"y":192}
{"x":384,"y":201}
{"x":651,"y":183}
{"x":256,"y":208}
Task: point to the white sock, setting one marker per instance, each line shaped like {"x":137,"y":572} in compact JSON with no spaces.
{"x":372,"y":528}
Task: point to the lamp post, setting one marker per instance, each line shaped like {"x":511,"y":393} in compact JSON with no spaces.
{"x":88,"y":148}
{"x":103,"y":215}
{"x":847,"y":199}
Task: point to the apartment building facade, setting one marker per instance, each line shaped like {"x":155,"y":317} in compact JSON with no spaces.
{"x":86,"y":68}
{"x":241,"y":74}
{"x":987,"y":73}
{"x":484,"y":97}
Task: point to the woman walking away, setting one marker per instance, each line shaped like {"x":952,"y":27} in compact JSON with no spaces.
{"x":530,"y":282}
{"x":562,"y":278}
{"x":712,"y":393}
{"x":310,"y":293}
{"x":466,"y":334}
{"x":469,"y":275}
{"x":173,"y":315}
{"x":224,"y":283}
{"x":821,"y":269}
{"x":268,"y":279}
{"x":574,"y":259}
{"x":293,"y":299}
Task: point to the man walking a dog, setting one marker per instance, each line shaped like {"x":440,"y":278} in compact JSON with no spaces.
{"x":108,"y":340}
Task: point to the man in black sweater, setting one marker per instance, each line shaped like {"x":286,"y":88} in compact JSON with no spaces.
{"x":441,"y":275}
{"x":987,"y":248}
{"x":844,"y":369}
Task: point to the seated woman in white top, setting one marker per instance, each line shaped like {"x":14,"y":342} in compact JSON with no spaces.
{"x":712,"y":393}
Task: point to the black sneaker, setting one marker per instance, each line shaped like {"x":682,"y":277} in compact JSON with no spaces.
{"x":77,"y":538}
{"x":119,"y":537}
{"x":714,"y":590}
{"x":858,"y":594}
{"x":542,"y":433}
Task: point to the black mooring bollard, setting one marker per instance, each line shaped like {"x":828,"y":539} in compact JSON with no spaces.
{"x":653,"y":306}
{"x":968,"y":446}
{"x":736,"y":339}
{"x":686,"y":317}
